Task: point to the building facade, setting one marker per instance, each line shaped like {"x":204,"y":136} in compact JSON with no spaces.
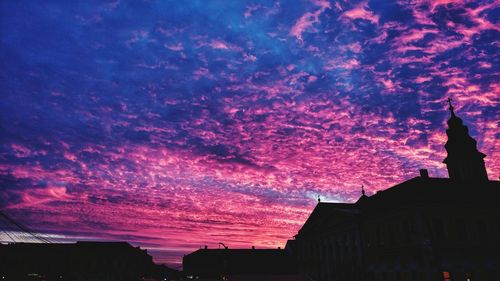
{"x":422,"y":229}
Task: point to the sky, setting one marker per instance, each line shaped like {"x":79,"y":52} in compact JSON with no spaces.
{"x":178,"y":124}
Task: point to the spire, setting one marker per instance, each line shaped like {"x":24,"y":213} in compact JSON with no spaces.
{"x":452,"y":109}
{"x":464,"y":161}
{"x":363,"y":197}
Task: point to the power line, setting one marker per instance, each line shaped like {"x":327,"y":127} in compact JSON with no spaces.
{"x":13,"y":224}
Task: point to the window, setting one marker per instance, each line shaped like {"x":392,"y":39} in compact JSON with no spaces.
{"x":492,"y":275}
{"x":438,"y":229}
{"x":338,"y":248}
{"x":461,"y":229}
{"x":406,"y":231}
{"x":390,"y":232}
{"x":378,"y":236}
{"x":482,"y":231}
{"x":446,"y":276}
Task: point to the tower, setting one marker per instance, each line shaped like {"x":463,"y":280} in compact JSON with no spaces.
{"x":464,"y":161}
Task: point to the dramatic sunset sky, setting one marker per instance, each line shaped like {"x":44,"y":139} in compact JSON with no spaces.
{"x":177,"y":124}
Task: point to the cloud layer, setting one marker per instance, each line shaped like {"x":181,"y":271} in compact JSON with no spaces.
{"x":175,"y":125}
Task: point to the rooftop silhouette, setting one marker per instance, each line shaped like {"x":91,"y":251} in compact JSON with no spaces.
{"x":82,"y":260}
{"x":424,"y":228}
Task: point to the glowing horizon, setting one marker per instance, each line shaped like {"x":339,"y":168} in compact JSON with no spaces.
{"x":174,"y":126}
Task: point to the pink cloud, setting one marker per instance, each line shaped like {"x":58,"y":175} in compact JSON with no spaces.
{"x":250,"y":9}
{"x":337,"y":63}
{"x":388,"y":84}
{"x":70,"y":156}
{"x":219,"y":44}
{"x":249,"y":57}
{"x":20,"y":151}
{"x":202,"y":72}
{"x":40,"y":196}
{"x":353,"y":47}
{"x":415,"y":35}
{"x":216,"y":44}
{"x":485,"y":64}
{"x":176,"y":47}
{"x":361,"y":11}
{"x":306,"y":21}
{"x":323,"y":4}
{"x":137,"y":36}
{"x":436,"y":3}
{"x":422,"y":79}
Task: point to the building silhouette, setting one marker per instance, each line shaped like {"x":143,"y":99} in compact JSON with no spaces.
{"x":464,"y":161}
{"x":422,"y":229}
{"x":92,"y":261}
{"x":241,"y":264}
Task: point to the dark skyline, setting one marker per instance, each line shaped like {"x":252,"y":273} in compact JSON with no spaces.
{"x":176,"y":125}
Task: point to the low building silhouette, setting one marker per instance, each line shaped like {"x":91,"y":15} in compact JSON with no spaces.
{"x":422,"y":229}
{"x":107,"y":261}
{"x":240,"y":265}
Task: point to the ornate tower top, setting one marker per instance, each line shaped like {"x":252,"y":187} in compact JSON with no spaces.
{"x":464,"y":161}
{"x":451,"y":107}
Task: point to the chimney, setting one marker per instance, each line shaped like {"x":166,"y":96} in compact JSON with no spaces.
{"x":253,"y":247}
{"x":206,"y":247}
{"x":424,"y":173}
